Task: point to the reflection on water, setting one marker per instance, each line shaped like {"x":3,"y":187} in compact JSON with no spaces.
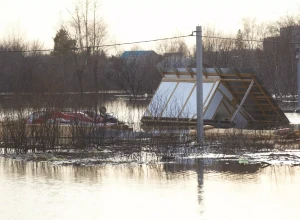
{"x":189,"y":189}
{"x":127,"y":112}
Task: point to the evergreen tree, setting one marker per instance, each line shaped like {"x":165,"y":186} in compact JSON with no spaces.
{"x":62,"y":42}
{"x":239,"y":40}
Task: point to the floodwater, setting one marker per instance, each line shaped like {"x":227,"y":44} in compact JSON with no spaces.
{"x":203,"y":189}
{"x":188,"y":189}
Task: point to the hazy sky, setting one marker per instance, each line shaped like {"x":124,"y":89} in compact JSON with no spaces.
{"x":134,"y":20}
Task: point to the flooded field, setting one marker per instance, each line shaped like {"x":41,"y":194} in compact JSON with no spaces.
{"x":205,"y":184}
{"x":190,"y":189}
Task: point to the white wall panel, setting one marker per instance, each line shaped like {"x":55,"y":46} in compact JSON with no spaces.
{"x":161,"y":97}
{"x":178,"y":99}
{"x":208,"y":92}
{"x":191,"y":107}
{"x":212,"y":107}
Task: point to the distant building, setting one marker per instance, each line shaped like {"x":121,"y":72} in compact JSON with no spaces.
{"x":290,"y":33}
{"x":285,"y":41}
{"x":288,"y":36}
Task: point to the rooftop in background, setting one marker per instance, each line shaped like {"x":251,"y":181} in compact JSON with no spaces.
{"x":138,"y":53}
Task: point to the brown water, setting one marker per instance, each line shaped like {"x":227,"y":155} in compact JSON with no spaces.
{"x":191,"y":189}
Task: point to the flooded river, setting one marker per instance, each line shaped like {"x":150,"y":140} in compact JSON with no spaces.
{"x":190,"y":189}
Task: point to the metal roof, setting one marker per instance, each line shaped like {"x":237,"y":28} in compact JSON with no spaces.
{"x":137,"y":53}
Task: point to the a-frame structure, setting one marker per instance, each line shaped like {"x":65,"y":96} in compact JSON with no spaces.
{"x":231,"y":97}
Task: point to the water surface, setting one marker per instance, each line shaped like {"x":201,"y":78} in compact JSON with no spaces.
{"x":191,"y":189}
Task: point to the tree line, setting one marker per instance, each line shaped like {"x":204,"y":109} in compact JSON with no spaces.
{"x":80,"y":61}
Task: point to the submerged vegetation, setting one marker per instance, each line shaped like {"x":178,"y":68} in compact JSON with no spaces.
{"x":127,"y":141}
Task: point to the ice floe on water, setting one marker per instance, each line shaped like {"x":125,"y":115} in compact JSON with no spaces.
{"x":287,"y":157}
{"x":265,"y":158}
{"x":293,"y":117}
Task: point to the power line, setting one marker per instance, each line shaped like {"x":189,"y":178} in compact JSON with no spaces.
{"x":96,"y":46}
{"x":234,"y":39}
{"x":247,"y":40}
{"x":143,"y":41}
{"x":25,"y":51}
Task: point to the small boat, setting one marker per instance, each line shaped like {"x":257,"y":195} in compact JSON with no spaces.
{"x":70,"y":117}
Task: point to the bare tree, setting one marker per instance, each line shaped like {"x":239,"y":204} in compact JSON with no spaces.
{"x":89,"y":31}
{"x":136,"y":75}
{"x":176,"y":45}
{"x":217,"y":48}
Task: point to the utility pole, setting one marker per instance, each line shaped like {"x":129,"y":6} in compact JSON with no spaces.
{"x":200,"y":130}
{"x":298,"y":77}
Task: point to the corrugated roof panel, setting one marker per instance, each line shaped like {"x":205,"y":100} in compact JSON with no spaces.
{"x":161,"y":98}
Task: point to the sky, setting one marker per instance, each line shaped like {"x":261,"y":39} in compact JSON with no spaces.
{"x":136,"y":20}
